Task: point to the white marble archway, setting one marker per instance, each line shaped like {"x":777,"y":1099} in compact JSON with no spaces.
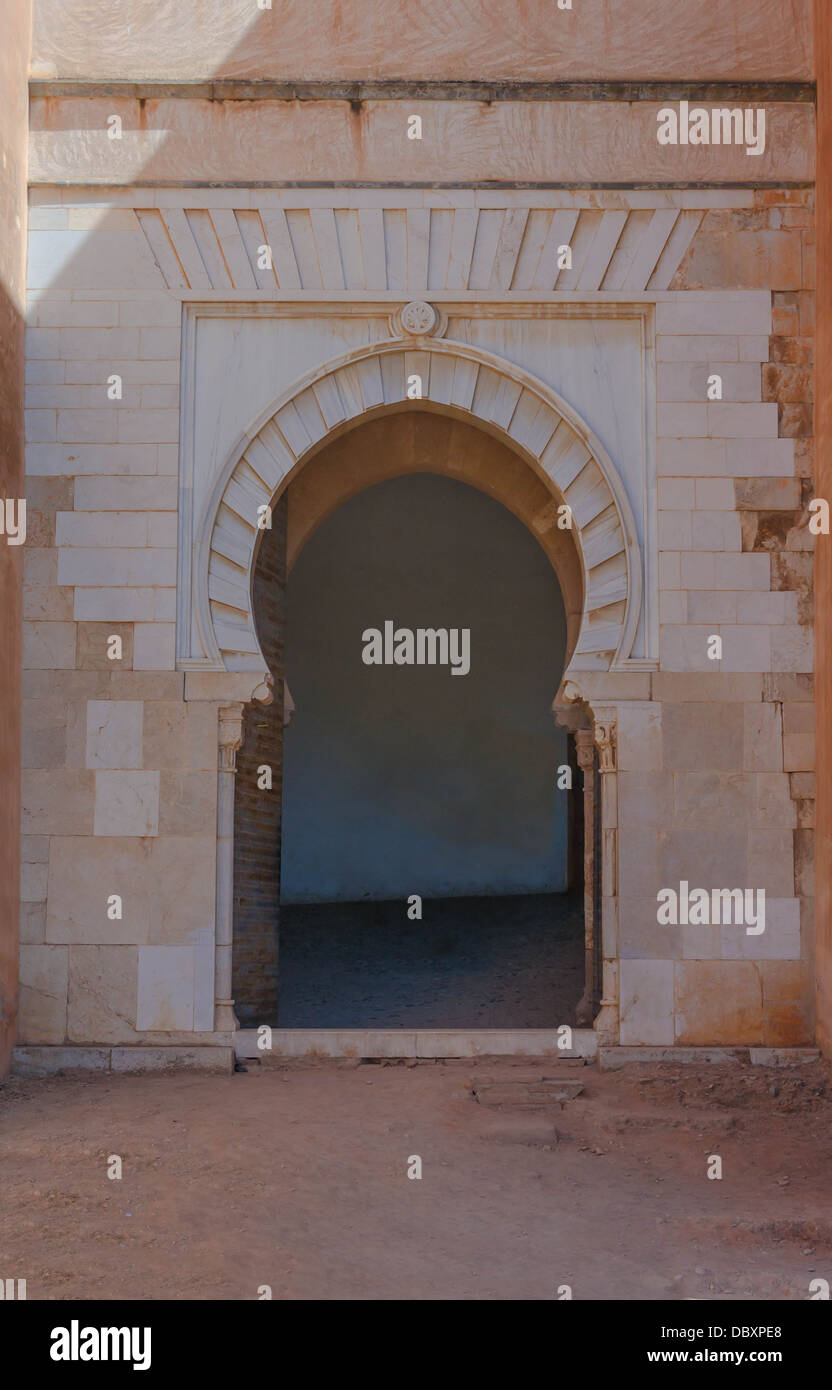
{"x":456,"y":379}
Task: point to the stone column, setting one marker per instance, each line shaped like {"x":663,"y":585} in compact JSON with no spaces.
{"x":230,"y":739}
{"x":585,"y":746}
{"x":606,"y":963}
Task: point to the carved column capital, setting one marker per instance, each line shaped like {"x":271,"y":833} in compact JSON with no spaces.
{"x":606,"y":740}
{"x":585,"y":749}
{"x":230,"y":735}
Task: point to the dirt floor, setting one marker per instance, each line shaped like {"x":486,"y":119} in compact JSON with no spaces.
{"x":295,"y":1176}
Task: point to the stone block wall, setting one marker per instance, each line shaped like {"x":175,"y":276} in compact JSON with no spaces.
{"x":714,"y":758}
{"x":119,"y":772}
{"x":716,"y":783}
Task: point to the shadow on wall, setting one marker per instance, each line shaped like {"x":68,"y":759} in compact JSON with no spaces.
{"x":12,"y":487}
{"x":402,"y":779}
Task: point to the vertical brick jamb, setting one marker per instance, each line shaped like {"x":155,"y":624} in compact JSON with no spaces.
{"x":258,"y":797}
{"x":823,"y":554}
{"x":230,"y":738}
{"x":585,"y":744}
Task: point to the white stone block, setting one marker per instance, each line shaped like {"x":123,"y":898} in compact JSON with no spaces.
{"x":165,"y":1001}
{"x":718,"y":530}
{"x":114,"y":733}
{"x":639,"y":736}
{"x":685,"y":382}
{"x":715,"y":494}
{"x":92,"y":528}
{"x":122,"y":494}
{"x":711,"y":606}
{"x":752,"y":458}
{"x":102,"y":344}
{"x":47,"y":460}
{"x":48,"y":646}
{"x":690,"y":350}
{"x":745,"y":648}
{"x":161,"y":530}
{"x":159,"y":342}
{"x":698,"y":570}
{"x":762,"y":738}
{"x":154,"y":647}
{"x":670,"y":571}
{"x":673,"y":606}
{"x":114,"y":605}
{"x":164,"y":606}
{"x":148,"y":426}
{"x":126,"y":803}
{"x":676,"y":494}
{"x":131,"y":568}
{"x":730,"y":420}
{"x":646,"y":1002}
{"x":779,"y":941}
{"x":759,"y":607}
{"x":40,"y":426}
{"x":33,"y":880}
{"x":699,"y":314}
{"x":792,"y":648}
{"x":682,"y":420}
{"x":686,"y":648}
{"x":740,"y":572}
{"x":674,"y":530}
{"x":88,"y":426}
{"x":204,"y":961}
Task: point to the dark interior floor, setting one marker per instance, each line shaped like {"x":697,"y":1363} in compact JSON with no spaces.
{"x":512,"y":962}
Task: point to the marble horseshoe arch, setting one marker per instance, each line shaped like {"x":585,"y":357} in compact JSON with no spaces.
{"x":458,"y":380}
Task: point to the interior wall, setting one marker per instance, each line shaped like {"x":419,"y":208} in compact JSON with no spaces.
{"x":408,"y":779}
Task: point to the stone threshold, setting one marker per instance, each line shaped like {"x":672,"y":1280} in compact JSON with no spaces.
{"x":50,"y":1061}
{"x":611,"y":1058}
{"x":419,"y":1042}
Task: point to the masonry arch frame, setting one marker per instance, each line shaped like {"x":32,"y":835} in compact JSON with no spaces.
{"x":540,"y":428}
{"x":458,"y":380}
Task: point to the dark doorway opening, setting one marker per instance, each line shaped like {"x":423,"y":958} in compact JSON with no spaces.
{"x":405,"y":781}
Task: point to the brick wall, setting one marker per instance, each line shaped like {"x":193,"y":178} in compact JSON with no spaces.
{"x":257,"y":811}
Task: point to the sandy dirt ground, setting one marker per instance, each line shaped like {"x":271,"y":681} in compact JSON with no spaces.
{"x":295,"y":1176}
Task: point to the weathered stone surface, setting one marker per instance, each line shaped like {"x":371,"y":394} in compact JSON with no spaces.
{"x":101,"y":1005}
{"x":58,"y":802}
{"x":114,"y":734}
{"x":43,"y":993}
{"x":165,"y":989}
{"x":718,"y":1002}
{"x":84,"y":873}
{"x":52,"y":1061}
{"x":174,"y":1058}
{"x":526,"y":1093}
{"x":646,"y":1002}
{"x":613,"y":1058}
{"x":783,"y":1056}
{"x":231,"y":38}
{"x":93,"y":643}
{"x":558,"y":142}
{"x":698,"y":736}
{"x":126,"y":803}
